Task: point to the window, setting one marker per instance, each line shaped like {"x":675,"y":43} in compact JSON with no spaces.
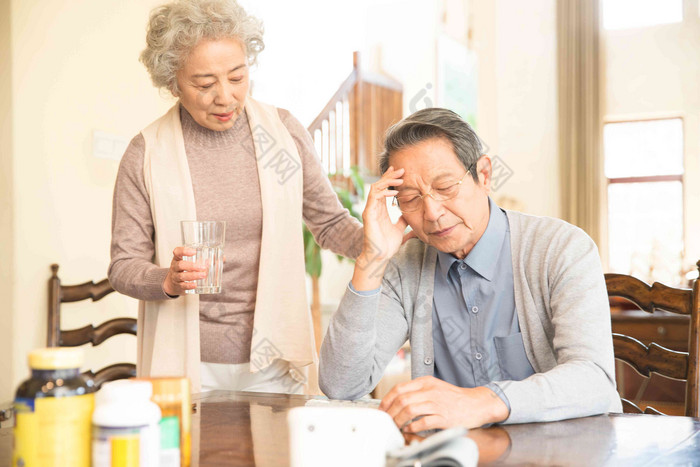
{"x":644,"y":168}
{"x":623,"y":14}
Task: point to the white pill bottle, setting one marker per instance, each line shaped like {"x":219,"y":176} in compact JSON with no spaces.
{"x":125,"y":431}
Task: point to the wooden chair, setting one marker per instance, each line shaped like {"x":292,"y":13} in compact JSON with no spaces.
{"x":58,"y":337}
{"x":6,"y":413}
{"x":655,"y":358}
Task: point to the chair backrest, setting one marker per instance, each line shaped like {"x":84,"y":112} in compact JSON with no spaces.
{"x":655,"y":358}
{"x":57,"y":337}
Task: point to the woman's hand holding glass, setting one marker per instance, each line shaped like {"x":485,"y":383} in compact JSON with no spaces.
{"x":182,"y":274}
{"x":382,"y":237}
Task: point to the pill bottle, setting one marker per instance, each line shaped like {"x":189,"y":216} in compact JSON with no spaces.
{"x":125,"y":429}
{"x":172,"y":394}
{"x":53,"y":409}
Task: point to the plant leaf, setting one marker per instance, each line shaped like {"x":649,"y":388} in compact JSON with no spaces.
{"x":357,"y":181}
{"x":312,"y":251}
{"x":312,"y":254}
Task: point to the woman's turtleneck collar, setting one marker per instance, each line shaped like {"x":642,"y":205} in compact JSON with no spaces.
{"x":201,"y":137}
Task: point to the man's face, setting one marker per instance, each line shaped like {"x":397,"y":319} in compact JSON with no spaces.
{"x":453,"y":226}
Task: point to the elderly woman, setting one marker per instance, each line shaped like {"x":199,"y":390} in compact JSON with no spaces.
{"x":218,"y":154}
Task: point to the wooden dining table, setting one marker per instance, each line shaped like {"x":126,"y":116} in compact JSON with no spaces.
{"x":244,"y":428}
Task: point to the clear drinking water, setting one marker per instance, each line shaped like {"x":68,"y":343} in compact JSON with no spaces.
{"x":211,"y":257}
{"x":207,"y":238}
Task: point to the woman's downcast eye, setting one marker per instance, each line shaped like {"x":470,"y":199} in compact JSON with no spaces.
{"x":234,"y":80}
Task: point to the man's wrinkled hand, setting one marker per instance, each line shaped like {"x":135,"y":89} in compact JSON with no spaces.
{"x":428,"y":403}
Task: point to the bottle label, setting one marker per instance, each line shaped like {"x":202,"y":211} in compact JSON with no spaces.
{"x":170,"y":441}
{"x":53,"y":431}
{"x":115,"y":446}
{"x":125,"y":446}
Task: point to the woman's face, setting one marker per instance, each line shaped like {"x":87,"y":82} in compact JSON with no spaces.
{"x":214,"y":83}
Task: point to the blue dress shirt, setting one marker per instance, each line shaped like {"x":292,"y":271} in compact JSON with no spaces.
{"x":476,"y":336}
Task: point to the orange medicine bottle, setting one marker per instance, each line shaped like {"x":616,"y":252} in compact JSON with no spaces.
{"x":172,"y":394}
{"x":53,"y":411}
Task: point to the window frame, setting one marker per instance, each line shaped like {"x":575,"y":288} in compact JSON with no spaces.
{"x":646,"y":178}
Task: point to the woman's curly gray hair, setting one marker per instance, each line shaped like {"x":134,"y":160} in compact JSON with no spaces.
{"x":174,"y":29}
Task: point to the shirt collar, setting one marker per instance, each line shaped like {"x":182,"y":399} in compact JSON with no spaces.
{"x":484,"y":256}
{"x":445,"y":262}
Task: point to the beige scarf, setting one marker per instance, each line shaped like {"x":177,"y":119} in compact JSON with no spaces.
{"x":168,"y":330}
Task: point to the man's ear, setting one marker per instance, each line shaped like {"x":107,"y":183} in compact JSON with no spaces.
{"x":483,"y":170}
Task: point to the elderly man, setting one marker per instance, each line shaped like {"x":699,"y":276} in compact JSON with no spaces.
{"x":506,"y":313}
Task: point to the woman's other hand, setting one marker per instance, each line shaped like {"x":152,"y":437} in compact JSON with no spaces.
{"x":182,"y":274}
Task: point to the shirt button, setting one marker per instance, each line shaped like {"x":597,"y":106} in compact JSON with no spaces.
{"x":475,"y":309}
{"x":462,"y":266}
{"x":478,"y":356}
{"x":428,"y":360}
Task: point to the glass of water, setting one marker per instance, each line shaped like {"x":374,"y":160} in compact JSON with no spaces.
{"x":207,"y":238}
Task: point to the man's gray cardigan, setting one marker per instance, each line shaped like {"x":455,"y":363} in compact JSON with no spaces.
{"x":562,"y":307}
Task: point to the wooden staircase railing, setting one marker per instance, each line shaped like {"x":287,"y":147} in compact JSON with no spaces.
{"x":349,"y":130}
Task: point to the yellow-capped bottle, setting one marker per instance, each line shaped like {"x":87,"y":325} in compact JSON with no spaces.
{"x":53,"y":411}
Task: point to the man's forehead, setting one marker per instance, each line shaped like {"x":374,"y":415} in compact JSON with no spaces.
{"x":428,"y":162}
{"x":421,"y":178}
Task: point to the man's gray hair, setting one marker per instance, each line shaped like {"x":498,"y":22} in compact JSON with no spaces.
{"x":175,"y":28}
{"x":431,"y":123}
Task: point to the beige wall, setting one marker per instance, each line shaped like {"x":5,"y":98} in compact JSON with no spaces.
{"x":6,"y":207}
{"x":74,"y":69}
{"x":655,"y":72}
{"x":516,"y":46}
{"x":308,"y":51}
